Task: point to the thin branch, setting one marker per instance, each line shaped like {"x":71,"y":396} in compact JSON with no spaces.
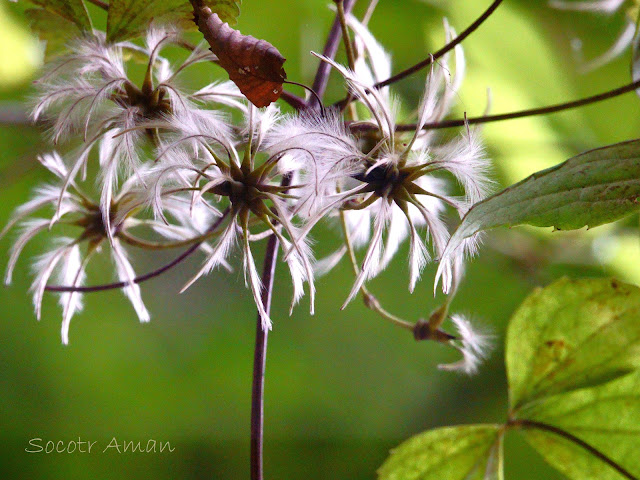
{"x":117,"y":285}
{"x":369,"y":300}
{"x":581,"y":443}
{"x":431,"y":58}
{"x":330,"y":50}
{"x":259,"y":362}
{"x":143,"y":278}
{"x":366,"y":127}
{"x":450,"y":46}
{"x":260,"y":355}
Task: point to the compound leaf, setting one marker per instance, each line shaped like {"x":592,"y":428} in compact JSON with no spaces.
{"x":571,"y":335}
{"x":468,"y":452}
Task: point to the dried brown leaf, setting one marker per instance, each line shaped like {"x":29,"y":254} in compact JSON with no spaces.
{"x":254,"y":65}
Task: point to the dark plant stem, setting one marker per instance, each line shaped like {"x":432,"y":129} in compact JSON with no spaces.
{"x":363,"y":127}
{"x":260,"y":356}
{"x":432,"y":58}
{"x":259,"y":362}
{"x":447,"y":48}
{"x":268,"y":274}
{"x":330,"y":50}
{"x":293,"y":100}
{"x":572,"y":438}
{"x":539,"y":111}
{"x":142,"y":278}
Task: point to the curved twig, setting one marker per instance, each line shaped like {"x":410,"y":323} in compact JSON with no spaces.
{"x":329,"y":51}
{"x":368,"y":127}
{"x":432,"y":58}
{"x":142,"y":278}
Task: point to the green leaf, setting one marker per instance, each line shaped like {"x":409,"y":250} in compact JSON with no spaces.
{"x":591,"y":189}
{"x":129,"y":18}
{"x":72,"y":10}
{"x":607,"y":418}
{"x":469,"y":452}
{"x":570,"y":335}
{"x":53,"y":29}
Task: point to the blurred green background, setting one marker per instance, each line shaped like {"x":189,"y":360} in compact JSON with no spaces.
{"x":343,"y":387}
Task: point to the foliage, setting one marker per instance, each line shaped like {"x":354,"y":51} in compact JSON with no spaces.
{"x":573,"y":348}
{"x":129,"y":18}
{"x":591,"y":189}
{"x":455,"y":453}
{"x":126,"y":18}
{"x":573,"y":352}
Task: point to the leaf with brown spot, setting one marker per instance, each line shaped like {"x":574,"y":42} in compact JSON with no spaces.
{"x":254,"y":65}
{"x":572,"y":335}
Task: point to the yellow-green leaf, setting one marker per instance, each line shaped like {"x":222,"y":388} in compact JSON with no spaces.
{"x":606,"y":418}
{"x":468,"y":452}
{"x":570,"y":335}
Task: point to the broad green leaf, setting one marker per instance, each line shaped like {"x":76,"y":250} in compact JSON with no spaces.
{"x":129,"y":18}
{"x":607,"y":418}
{"x":570,"y":335}
{"x":53,"y":29}
{"x":456,"y":453}
{"x":72,"y":10}
{"x":591,"y":189}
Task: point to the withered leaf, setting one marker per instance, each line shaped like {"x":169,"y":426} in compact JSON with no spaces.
{"x":254,"y":65}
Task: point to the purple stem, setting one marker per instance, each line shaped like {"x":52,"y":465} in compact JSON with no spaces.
{"x":450,"y":46}
{"x":268,"y":274}
{"x":295,"y":101}
{"x":115,"y":285}
{"x":259,"y":362}
{"x":330,"y":50}
{"x":365,"y":127}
